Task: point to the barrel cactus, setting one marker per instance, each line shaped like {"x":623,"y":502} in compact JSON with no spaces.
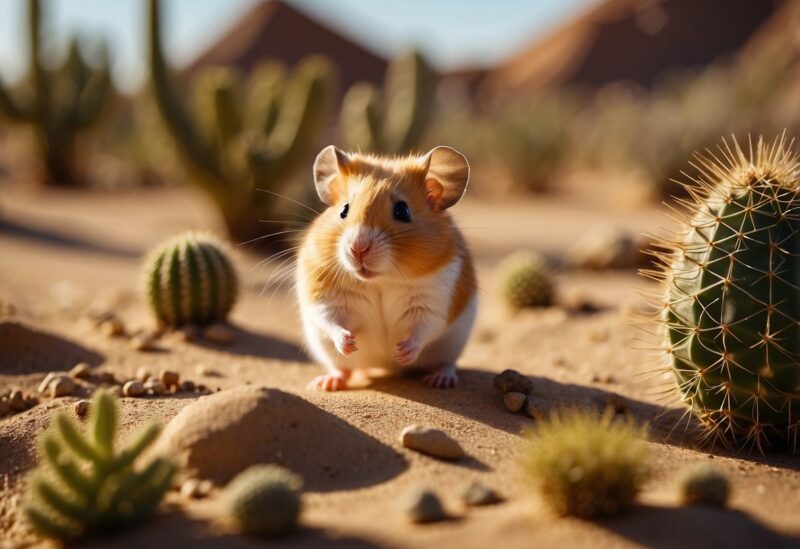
{"x":730,"y":305}
{"x":190,"y":280}
{"x":526,"y":280}
{"x":704,"y":484}
{"x":264,"y":500}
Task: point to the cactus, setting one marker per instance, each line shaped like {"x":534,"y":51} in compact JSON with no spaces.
{"x":264,"y":500}
{"x":63,"y":102}
{"x":730,"y":303}
{"x":704,"y":485}
{"x":526,"y":280}
{"x":242,"y":152}
{"x":584,"y":465}
{"x":396,"y":122}
{"x":85,"y":485}
{"x":190,"y":279}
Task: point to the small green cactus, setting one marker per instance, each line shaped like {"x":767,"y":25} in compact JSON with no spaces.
{"x":585,"y":465}
{"x":190,"y":280}
{"x":394,"y":121}
{"x":705,"y":485}
{"x":84,"y":485}
{"x":265,"y":500}
{"x":526,"y":280}
{"x":730,"y":306}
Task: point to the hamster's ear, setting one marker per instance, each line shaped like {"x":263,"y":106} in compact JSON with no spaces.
{"x":447,"y":177}
{"x":331,"y":162}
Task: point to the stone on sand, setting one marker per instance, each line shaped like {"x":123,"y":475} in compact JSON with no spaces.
{"x":219,"y":334}
{"x":514,"y":401}
{"x":430,"y":441}
{"x":62,"y":386}
{"x":478,"y":494}
{"x":511,"y":381}
{"x":133,"y":388}
{"x":143,"y":374}
{"x":81,"y":407}
{"x":80,"y":371}
{"x":169,"y":378}
{"x":423,"y":506}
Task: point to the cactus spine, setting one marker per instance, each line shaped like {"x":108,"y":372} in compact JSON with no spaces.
{"x":243,"y":152}
{"x":265,"y":500}
{"x":396,"y":122}
{"x":63,"y":102}
{"x":85,"y":485}
{"x":190,"y":279}
{"x":731,"y":305}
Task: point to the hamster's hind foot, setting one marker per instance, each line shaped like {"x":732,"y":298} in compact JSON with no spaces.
{"x":330,"y":382}
{"x":445,"y":377}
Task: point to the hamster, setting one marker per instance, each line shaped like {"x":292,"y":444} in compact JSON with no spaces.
{"x":384,"y":277}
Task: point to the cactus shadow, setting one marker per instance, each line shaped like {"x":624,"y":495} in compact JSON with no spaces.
{"x":50,"y":237}
{"x":27,"y":350}
{"x":697,"y":526}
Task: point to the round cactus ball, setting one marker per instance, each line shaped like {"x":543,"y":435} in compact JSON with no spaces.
{"x":265,"y":500}
{"x":190,"y":280}
{"x":526,"y":280}
{"x":705,"y":485}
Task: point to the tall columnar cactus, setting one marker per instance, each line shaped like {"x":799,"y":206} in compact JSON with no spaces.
{"x":85,"y":485}
{"x":731,"y":302}
{"x":396,"y":121}
{"x":242,"y":147}
{"x":190,"y":279}
{"x":62,"y":102}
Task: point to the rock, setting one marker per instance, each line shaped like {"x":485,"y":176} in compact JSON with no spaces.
{"x":204,"y":371}
{"x":218,"y":333}
{"x":143,"y":374}
{"x":112,"y":327}
{"x":535,"y":407}
{"x":154,"y":387}
{"x":31,"y":401}
{"x":62,"y":386}
{"x":17,"y":402}
{"x":478,"y":494}
{"x":514,"y":401}
{"x":133,"y":388}
{"x":81,"y":408}
{"x":45,"y":384}
{"x":187,"y":386}
{"x":145,"y":343}
{"x":423,"y":506}
{"x":430,"y":441}
{"x":189,"y":333}
{"x":201,"y":388}
{"x":107,"y":377}
{"x":607,"y":247}
{"x":511,"y":381}
{"x":5,"y":407}
{"x":80,"y":371}
{"x":169,"y":378}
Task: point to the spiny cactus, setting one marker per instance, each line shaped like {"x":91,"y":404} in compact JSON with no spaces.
{"x":265,"y":500}
{"x":62,"y":102}
{"x":526,"y":280}
{"x":190,"y":280}
{"x":585,"y":465}
{"x":243,"y":152}
{"x":704,"y":485}
{"x":396,"y":121}
{"x":730,"y":304}
{"x":85,"y":485}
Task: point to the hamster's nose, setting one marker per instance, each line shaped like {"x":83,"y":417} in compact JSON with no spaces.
{"x":358,"y":249}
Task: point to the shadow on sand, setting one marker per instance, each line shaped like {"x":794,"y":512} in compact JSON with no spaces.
{"x":249,"y":343}
{"x":50,"y":237}
{"x":25,"y":350}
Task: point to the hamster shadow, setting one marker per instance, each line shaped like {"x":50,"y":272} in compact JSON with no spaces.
{"x":249,"y":343}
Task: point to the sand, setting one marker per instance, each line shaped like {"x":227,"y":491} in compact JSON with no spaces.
{"x":64,"y":255}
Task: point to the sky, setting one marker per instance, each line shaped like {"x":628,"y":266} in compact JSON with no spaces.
{"x":453,"y":33}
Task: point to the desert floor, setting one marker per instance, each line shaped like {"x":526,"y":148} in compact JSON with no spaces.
{"x":63,"y":254}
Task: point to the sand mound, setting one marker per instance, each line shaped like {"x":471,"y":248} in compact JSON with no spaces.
{"x":223,"y":434}
{"x":26,"y":350}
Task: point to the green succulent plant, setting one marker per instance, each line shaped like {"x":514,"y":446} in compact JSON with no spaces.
{"x":58,"y":103}
{"x":85,"y":485}
{"x":704,"y":485}
{"x":586,"y":465}
{"x":395,"y":120}
{"x":190,"y":280}
{"x":265,"y":500}
{"x":730,"y":303}
{"x":526,"y":281}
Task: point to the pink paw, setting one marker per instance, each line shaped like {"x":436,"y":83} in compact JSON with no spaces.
{"x":441,"y":379}
{"x":328,"y":382}
{"x":406,"y":352}
{"x":346,"y":342}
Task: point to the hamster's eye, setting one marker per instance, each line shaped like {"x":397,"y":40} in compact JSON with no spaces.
{"x":402,"y":212}
{"x":346,"y":208}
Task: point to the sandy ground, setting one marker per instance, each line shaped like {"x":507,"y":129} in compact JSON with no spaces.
{"x":62,"y":254}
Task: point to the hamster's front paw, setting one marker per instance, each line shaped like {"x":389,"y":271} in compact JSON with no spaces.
{"x":345,"y":342}
{"x":407,"y":351}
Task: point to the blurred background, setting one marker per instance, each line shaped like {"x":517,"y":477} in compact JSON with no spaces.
{"x":234,"y":98}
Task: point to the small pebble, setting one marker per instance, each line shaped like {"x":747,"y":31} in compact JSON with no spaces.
{"x":154,"y":387}
{"x":535,"y":407}
{"x":201,"y":388}
{"x":62,"y":386}
{"x":511,"y":381}
{"x":514,"y":401}
{"x":81,"y":407}
{"x":5,"y":407}
{"x":430,"y":441}
{"x":143,"y":374}
{"x":145,"y":343}
{"x":219,"y":334}
{"x":187,"y":386}
{"x":133,"y":388}
{"x":107,"y":377}
{"x":31,"y":401}
{"x":17,"y":402}
{"x":189,"y":333}
{"x":205,"y":371}
{"x":169,"y":378}
{"x":45,"y":384}
{"x":112,"y":327}
{"x":477,"y":494}
{"x":80,"y":371}
{"x":423,"y":506}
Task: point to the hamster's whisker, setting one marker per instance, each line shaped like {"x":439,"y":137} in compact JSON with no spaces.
{"x":292,"y":200}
